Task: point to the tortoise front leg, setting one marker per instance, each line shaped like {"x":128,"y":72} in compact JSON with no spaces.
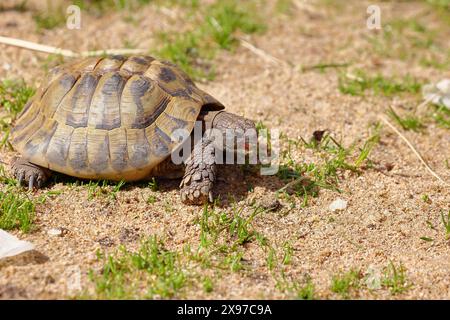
{"x":30,"y":174}
{"x":200,"y":174}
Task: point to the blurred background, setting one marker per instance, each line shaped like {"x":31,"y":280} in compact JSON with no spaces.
{"x":195,"y":33}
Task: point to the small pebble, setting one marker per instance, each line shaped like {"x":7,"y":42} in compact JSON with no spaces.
{"x":270,"y":204}
{"x":6,"y":66}
{"x":55,"y":232}
{"x":106,"y":242}
{"x":338,"y":204}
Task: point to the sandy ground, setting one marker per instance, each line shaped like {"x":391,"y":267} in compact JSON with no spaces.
{"x":385,"y":217}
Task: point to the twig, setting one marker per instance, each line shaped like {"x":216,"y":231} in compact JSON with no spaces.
{"x":304,"y":5}
{"x":292,"y":183}
{"x":322,"y":66}
{"x":261,"y":53}
{"x":64,"y":52}
{"x":413,"y":150}
{"x":37,"y":47}
{"x":351,"y":76}
{"x":112,"y":52}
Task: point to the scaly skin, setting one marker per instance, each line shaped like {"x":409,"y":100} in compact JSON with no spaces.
{"x":30,"y":174}
{"x":200,"y":173}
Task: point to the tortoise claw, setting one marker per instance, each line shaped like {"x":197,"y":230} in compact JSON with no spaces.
{"x":21,"y":177}
{"x":31,"y":183}
{"x":30,"y":174}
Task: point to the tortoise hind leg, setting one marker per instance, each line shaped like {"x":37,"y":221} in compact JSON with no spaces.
{"x":200,"y":174}
{"x":30,"y":174}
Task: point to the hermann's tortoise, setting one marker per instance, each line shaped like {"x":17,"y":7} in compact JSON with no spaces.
{"x":113,"y":118}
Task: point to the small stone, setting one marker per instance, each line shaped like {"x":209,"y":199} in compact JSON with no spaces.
{"x":318,"y":135}
{"x":55,"y":232}
{"x":338,"y":204}
{"x":270,"y":204}
{"x":106,"y":242}
{"x":438,"y":93}
{"x":373,"y":278}
{"x":49,"y":279}
{"x":9,"y":291}
{"x":11,"y":24}
{"x":128,"y":235}
{"x":6,"y":66}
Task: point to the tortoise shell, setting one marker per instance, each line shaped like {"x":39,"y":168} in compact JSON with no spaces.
{"x":108,"y":118}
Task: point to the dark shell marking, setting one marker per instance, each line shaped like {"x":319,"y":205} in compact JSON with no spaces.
{"x":58,"y":149}
{"x":111,"y":92}
{"x":79,"y":158}
{"x":81,"y":101}
{"x":40,"y":140}
{"x":99,"y":160}
{"x":167,"y":75}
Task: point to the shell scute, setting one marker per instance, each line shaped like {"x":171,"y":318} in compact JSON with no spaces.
{"x":138,"y":148}
{"x":104,"y":110}
{"x":58,"y":148}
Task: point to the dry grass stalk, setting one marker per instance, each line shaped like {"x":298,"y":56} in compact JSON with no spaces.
{"x":416,"y":153}
{"x":64,"y":52}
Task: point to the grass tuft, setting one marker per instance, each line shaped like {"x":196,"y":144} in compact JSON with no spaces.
{"x":224,"y":18}
{"x":13,"y":96}
{"x":301,"y":290}
{"x":395,"y":279}
{"x":151,"y":272}
{"x":441,"y":115}
{"x":284,"y":7}
{"x":288,"y":251}
{"x":16,"y":211}
{"x":51,"y":18}
{"x":446,"y":223}
{"x":358,"y":84}
{"x":208,"y":285}
{"x":220,"y":22}
{"x":222,"y":237}
{"x":413,"y":40}
{"x":342,"y":284}
{"x":188,"y":51}
{"x":306,"y":179}
{"x":409,"y":122}
{"x":101,"y":7}
{"x":102,"y":188}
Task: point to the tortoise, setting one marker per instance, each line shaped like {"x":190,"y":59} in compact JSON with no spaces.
{"x":112,"y":118}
